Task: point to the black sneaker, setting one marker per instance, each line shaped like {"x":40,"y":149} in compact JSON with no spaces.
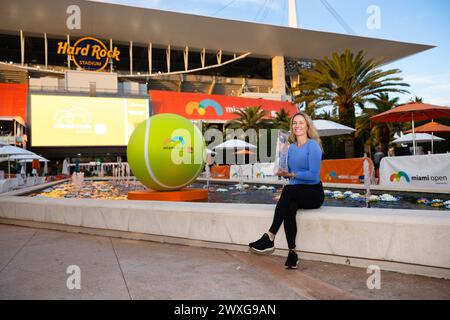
{"x":292,"y":260}
{"x":263,"y":245}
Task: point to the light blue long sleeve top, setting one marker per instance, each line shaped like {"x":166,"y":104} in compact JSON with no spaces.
{"x":305,"y":162}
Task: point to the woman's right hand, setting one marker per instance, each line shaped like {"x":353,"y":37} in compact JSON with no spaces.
{"x":285,"y":174}
{"x":279,"y":173}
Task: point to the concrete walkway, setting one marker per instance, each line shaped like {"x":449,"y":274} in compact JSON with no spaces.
{"x":34,"y":262}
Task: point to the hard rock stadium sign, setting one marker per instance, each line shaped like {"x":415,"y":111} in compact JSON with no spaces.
{"x":89,"y":53}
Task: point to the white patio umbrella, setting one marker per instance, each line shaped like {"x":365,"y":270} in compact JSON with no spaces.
{"x":24,"y":158}
{"x":45,"y":168}
{"x":327,"y":128}
{"x":8,"y":150}
{"x":235,"y":144}
{"x":28,"y":157}
{"x":65,"y":167}
{"x":419,"y":137}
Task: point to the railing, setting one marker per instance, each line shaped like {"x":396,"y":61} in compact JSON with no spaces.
{"x":102,"y":91}
{"x":8,"y":139}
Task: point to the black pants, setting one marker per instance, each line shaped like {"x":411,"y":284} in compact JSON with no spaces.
{"x":293,"y":197}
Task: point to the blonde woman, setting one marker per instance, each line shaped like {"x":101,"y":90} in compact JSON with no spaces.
{"x":304,"y":190}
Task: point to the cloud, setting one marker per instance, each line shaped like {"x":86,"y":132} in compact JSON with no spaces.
{"x":433,"y":88}
{"x":418,"y":80}
{"x":439,"y":101}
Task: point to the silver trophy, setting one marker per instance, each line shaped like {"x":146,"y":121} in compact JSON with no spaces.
{"x":281,"y":155}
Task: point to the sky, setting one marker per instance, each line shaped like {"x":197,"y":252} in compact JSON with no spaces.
{"x":416,"y":21}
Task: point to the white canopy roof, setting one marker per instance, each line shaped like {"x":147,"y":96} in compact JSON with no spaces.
{"x":7,"y":150}
{"x":235,"y":143}
{"x":28,"y":157}
{"x":329,"y":128}
{"x":420,"y":137}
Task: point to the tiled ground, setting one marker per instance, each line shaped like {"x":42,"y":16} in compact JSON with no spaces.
{"x":33,"y":265}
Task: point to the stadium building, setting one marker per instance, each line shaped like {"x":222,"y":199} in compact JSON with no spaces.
{"x":76,"y":77}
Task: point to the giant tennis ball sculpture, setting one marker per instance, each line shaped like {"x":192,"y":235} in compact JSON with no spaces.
{"x":166,"y":152}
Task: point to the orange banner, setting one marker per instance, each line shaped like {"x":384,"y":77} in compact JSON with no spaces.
{"x":220,"y":172}
{"x":344,"y":170}
{"x":199,"y":106}
{"x":13,"y":100}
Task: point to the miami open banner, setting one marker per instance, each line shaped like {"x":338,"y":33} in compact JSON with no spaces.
{"x":344,"y":170}
{"x":198,"y":106}
{"x":84,"y":121}
{"x":427,"y":171}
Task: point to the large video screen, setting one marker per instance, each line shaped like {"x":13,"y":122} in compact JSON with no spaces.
{"x":84,"y":121}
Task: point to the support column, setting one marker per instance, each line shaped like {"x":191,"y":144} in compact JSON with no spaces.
{"x":278,"y":75}
{"x":186,"y":58}
{"x":149,"y":58}
{"x":131,"y":57}
{"x":219,"y":56}
{"x":110,"y":59}
{"x":46,"y":49}
{"x":292,"y":14}
{"x":202,"y":57}
{"x":22,"y":48}
{"x":168,"y":58}
{"x":68,"y":56}
{"x":213,"y":84}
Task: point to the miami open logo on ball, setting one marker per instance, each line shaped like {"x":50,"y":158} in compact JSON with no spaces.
{"x":177,"y":142}
{"x":166,"y":152}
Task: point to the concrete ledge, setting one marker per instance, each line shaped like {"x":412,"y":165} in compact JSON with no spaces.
{"x":409,"y":241}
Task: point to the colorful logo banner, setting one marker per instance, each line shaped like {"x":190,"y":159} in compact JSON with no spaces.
{"x":198,"y":106}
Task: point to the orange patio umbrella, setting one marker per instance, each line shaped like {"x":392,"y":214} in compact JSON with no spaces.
{"x":412,"y":111}
{"x":244,"y":151}
{"x":431,"y":127}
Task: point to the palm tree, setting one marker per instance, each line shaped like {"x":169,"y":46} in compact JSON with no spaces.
{"x":416,"y":99}
{"x":249,"y":118}
{"x":327,"y":115}
{"x":282,"y":120}
{"x":206,"y":125}
{"x":345,"y":80}
{"x":376,"y":133}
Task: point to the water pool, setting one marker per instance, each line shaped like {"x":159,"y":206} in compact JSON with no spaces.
{"x":265,"y":194}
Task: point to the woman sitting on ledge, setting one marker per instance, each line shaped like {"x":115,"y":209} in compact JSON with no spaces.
{"x":304,"y":190}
